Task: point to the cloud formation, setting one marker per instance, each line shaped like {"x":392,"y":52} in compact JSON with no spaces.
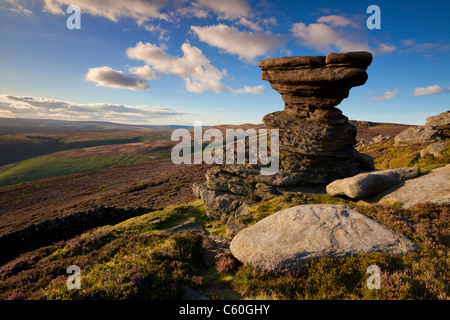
{"x":247,"y":45}
{"x":139,"y":10}
{"x":385,"y":96}
{"x":335,"y":33}
{"x":198,"y":73}
{"x":430,"y":90}
{"x":22,"y":107}
{"x":229,"y":9}
{"x":108,"y":77}
{"x":410,"y":46}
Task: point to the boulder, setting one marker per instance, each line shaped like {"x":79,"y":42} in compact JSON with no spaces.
{"x":432,"y":186}
{"x":434,"y":149}
{"x":218,"y":203}
{"x":284,"y":241}
{"x":441,"y":123}
{"x":416,"y":135}
{"x":365,"y":185}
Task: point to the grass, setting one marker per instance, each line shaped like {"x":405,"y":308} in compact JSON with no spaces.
{"x":389,"y":156}
{"x":53,"y":166}
{"x":268,"y":207}
{"x":421,"y":275}
{"x":130,"y":260}
{"x":133,"y":260}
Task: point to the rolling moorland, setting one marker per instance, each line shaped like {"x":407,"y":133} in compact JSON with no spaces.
{"x":65,"y":172}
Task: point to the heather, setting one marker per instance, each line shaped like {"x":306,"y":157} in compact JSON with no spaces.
{"x":135,"y":260}
{"x":130,"y":260}
{"x":421,"y":275}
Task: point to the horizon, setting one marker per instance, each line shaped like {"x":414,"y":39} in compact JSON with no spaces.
{"x":176,"y":62}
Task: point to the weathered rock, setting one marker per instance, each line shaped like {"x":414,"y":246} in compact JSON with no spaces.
{"x":297,"y":169}
{"x":309,"y":138}
{"x":316,"y":141}
{"x":223,"y":206}
{"x":360,"y":59}
{"x":434,"y":149}
{"x":441,"y":123}
{"x":365,"y":185}
{"x":312,"y":82}
{"x":220,"y":202}
{"x":416,"y":135}
{"x":286,"y":240}
{"x":432,"y":186}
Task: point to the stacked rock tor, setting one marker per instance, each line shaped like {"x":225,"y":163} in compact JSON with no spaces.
{"x":316,"y":141}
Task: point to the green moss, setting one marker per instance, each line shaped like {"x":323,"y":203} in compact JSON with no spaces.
{"x":389,"y":156}
{"x":269,"y":207}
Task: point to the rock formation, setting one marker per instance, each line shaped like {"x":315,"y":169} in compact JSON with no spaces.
{"x":441,"y":123}
{"x":316,"y":141}
{"x":436,"y":128}
{"x":365,"y":185}
{"x":433,"y":186}
{"x":284,"y":241}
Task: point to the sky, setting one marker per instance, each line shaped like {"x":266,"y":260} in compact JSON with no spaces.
{"x":177,"y":61}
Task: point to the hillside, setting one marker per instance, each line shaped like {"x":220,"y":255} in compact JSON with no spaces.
{"x":150,"y":260}
{"x":20,"y":147}
{"x":90,"y":177}
{"x":23,"y":125}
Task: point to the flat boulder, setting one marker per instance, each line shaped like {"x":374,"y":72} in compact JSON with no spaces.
{"x":284,"y":241}
{"x":432,"y":186}
{"x":365,"y":185}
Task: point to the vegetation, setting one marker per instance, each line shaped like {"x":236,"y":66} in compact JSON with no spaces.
{"x":389,"y":156}
{"x":421,"y":275}
{"x":53,"y":166}
{"x":134,"y":260}
{"x":130,"y":260}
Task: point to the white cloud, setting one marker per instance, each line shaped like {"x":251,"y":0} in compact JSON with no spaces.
{"x":430,"y":90}
{"x":337,"y":21}
{"x":335,"y":33}
{"x":247,"y":45}
{"x":144,"y":72}
{"x":411,"y":46}
{"x":139,"y":10}
{"x":323,"y":38}
{"x":15,"y":6}
{"x":19,"y":106}
{"x":385,"y":96}
{"x":247,"y":89}
{"x":384,"y":48}
{"x":229,"y":9}
{"x":197,"y":71}
{"x":108,"y":77}
{"x":157,"y":29}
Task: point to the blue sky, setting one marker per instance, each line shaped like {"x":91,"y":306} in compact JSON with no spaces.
{"x":177,"y":61}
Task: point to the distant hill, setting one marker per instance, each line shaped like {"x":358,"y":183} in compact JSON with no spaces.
{"x":19,"y":125}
